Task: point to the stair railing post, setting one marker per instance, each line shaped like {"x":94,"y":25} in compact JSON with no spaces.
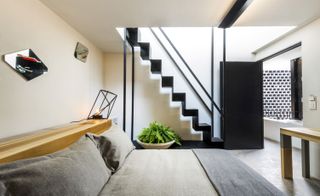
{"x":124,"y":79}
{"x":212,"y":80}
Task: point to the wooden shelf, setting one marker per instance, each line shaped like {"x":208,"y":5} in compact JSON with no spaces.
{"x":49,"y":140}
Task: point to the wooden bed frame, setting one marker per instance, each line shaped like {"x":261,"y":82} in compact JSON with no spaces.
{"x":49,"y":140}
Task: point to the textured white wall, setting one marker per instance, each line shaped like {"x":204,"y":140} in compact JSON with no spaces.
{"x":309,"y":36}
{"x":62,"y":95}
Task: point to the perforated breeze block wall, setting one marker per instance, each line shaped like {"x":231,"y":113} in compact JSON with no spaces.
{"x":277,"y":94}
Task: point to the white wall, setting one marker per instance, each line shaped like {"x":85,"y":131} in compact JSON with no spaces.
{"x":194,"y":44}
{"x":62,"y":95}
{"x":113,"y":81}
{"x":309,"y":36}
{"x":241,"y":42}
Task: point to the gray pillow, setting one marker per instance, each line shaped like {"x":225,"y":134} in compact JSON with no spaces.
{"x":77,"y":170}
{"x":114,"y":146}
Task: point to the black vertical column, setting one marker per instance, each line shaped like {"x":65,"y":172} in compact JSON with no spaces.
{"x":212,"y":82}
{"x":124,"y":79}
{"x":222,"y":84}
{"x":132,"y":95}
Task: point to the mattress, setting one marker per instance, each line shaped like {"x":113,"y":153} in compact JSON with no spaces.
{"x":160,"y":172}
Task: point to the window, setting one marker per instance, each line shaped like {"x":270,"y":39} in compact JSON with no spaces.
{"x":282,"y":88}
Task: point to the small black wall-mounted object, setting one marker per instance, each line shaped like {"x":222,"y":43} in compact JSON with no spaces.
{"x":243,"y":105}
{"x":103,"y":104}
{"x":81,"y":52}
{"x":26,"y":63}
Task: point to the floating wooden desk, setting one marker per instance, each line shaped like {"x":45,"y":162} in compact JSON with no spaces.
{"x":305,"y":135}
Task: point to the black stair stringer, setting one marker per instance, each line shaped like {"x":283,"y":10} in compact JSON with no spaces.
{"x":168,"y":82}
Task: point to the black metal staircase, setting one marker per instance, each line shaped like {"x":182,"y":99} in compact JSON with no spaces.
{"x":168,"y":82}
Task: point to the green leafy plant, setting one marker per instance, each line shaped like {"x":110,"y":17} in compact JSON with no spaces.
{"x":158,"y":133}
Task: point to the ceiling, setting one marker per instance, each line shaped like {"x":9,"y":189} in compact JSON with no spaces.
{"x":280,"y":13}
{"x":97,"y":19}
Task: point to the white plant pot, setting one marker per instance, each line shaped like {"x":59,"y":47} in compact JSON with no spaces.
{"x":155,"y":146}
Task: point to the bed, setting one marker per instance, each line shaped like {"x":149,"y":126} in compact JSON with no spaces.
{"x":119,"y":170}
{"x":160,"y":172}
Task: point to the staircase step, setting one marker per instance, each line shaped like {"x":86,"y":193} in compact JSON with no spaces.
{"x":202,"y":127}
{"x":195,"y":121}
{"x":132,"y":36}
{"x":206,"y":136}
{"x":190,"y":112}
{"x":178,"y":97}
{"x":145,"y":50}
{"x":156,"y":66}
{"x":217,"y":140}
{"x":167,"y":81}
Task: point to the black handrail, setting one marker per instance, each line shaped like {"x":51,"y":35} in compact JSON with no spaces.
{"x":176,"y":64}
{"x":185,"y":63}
{"x":188,"y":67}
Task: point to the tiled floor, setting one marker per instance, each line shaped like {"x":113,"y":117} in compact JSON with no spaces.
{"x":267,"y":163}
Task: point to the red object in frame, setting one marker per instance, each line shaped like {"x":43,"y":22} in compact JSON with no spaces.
{"x":29,"y":58}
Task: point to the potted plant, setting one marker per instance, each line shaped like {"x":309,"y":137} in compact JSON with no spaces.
{"x":158,"y":136}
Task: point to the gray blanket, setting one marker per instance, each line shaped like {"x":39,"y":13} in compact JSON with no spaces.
{"x":160,"y":173}
{"x":232,"y":177}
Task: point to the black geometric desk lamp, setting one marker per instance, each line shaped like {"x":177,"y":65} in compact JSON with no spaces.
{"x":107,"y":102}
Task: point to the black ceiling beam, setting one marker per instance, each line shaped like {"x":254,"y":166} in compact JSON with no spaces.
{"x":234,"y":13}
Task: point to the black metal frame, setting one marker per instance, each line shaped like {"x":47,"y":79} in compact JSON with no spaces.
{"x":212,"y":79}
{"x":222,"y":83}
{"x":234,"y":13}
{"x":132,"y":92}
{"x":124,"y":79}
{"x":110,"y":104}
{"x":294,"y":46}
{"x":128,"y":40}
